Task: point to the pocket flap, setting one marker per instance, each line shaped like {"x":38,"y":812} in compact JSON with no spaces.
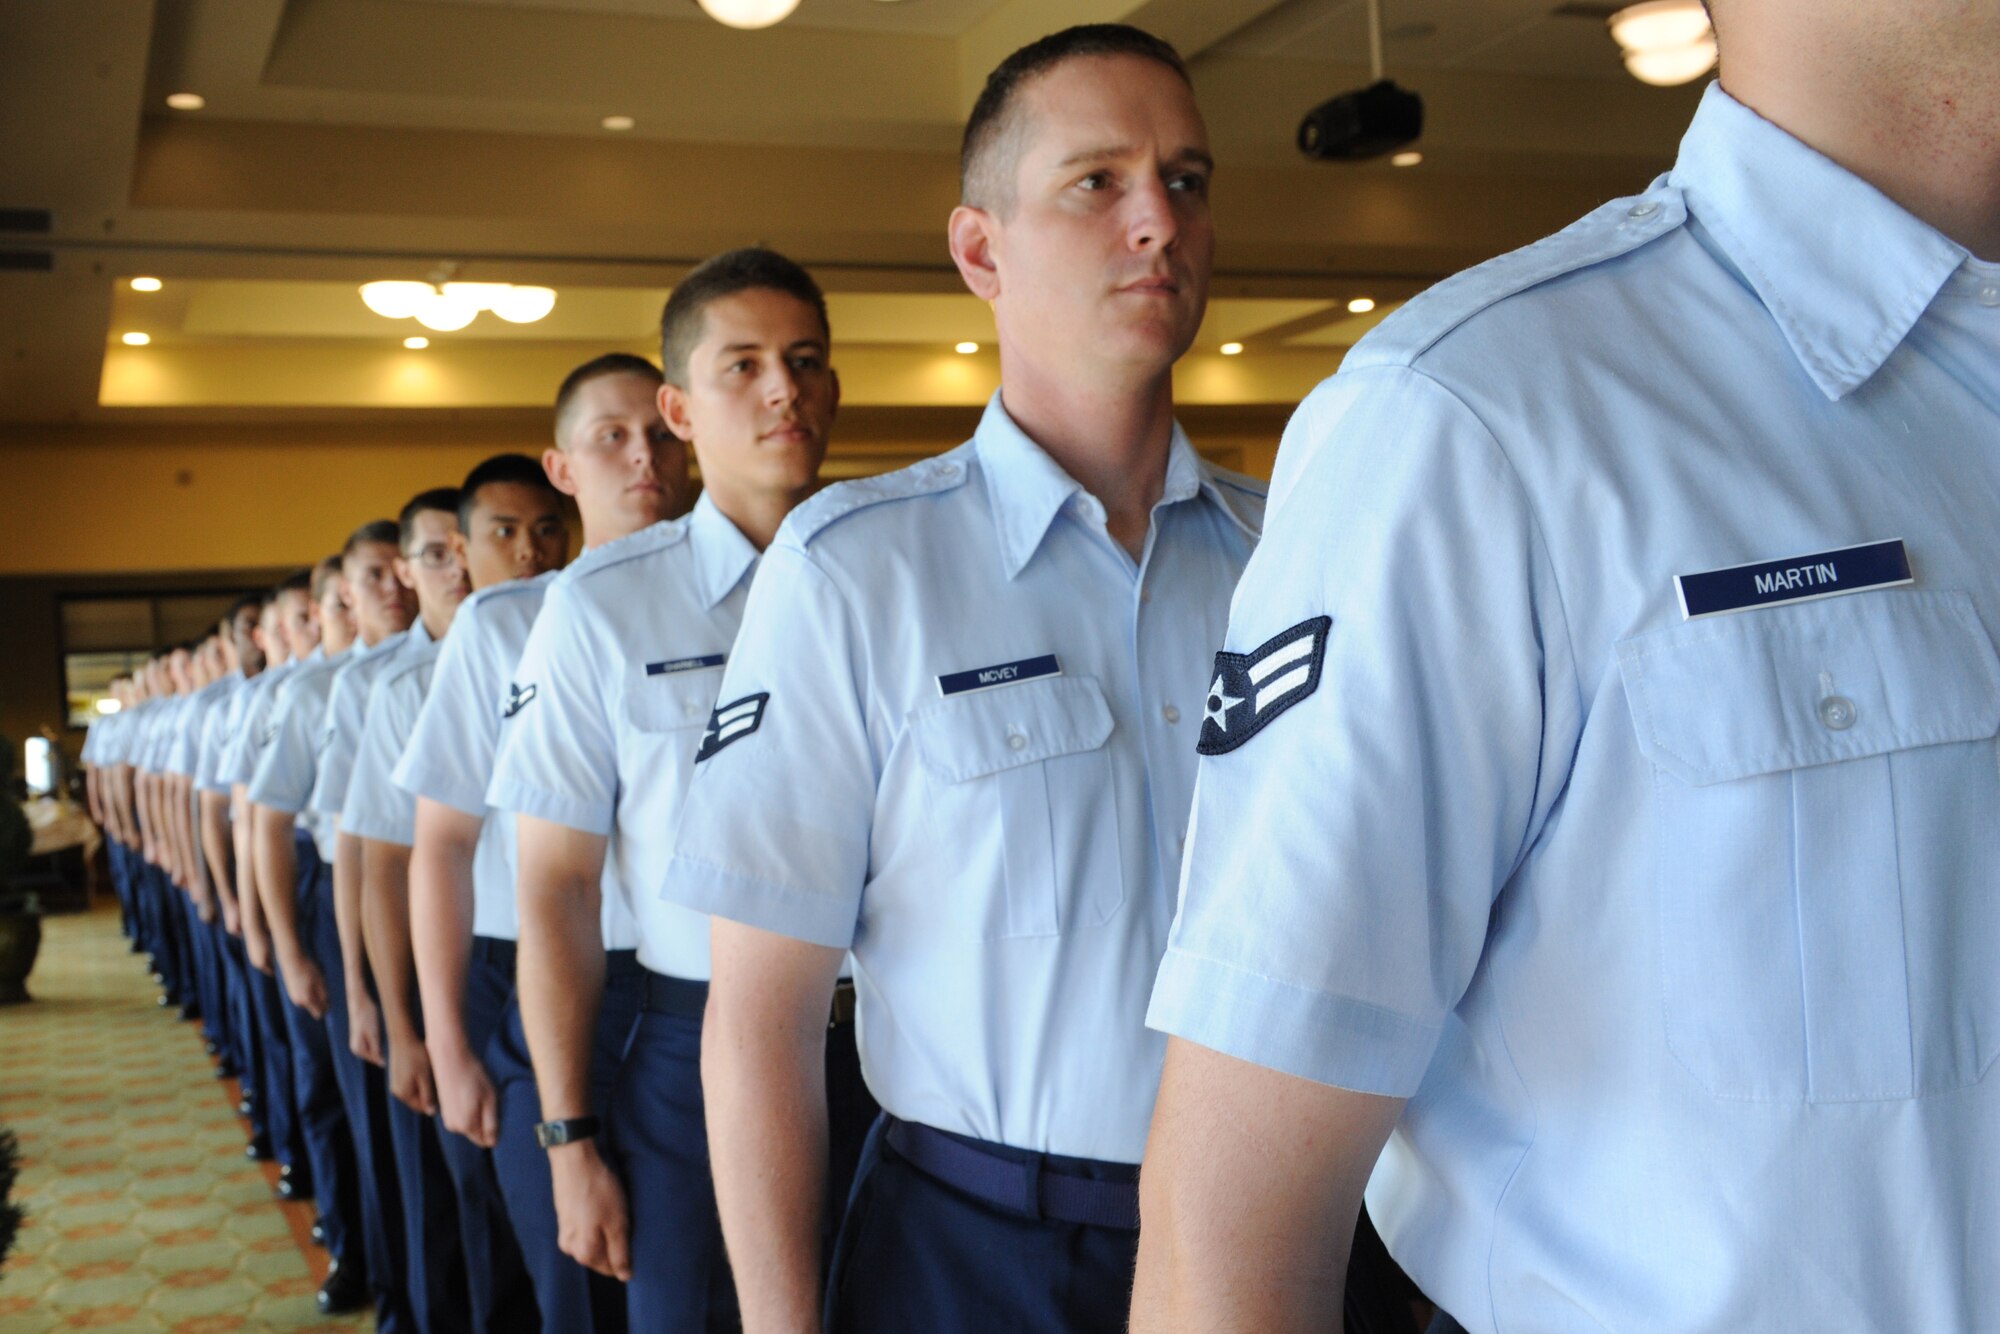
{"x":669,"y":703}
{"x":972,"y":735}
{"x":1723,"y":699}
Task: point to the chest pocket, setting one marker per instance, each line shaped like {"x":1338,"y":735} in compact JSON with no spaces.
{"x":672,"y":702}
{"x":1828,"y":845}
{"x":1018,"y":775}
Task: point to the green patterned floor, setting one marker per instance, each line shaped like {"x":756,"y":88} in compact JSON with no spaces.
{"x":143,"y":1213}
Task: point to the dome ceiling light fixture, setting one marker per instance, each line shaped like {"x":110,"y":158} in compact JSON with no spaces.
{"x":449,"y":307}
{"x":1665,"y":42}
{"x":748,"y":13}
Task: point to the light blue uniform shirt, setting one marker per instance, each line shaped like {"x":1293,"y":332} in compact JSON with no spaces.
{"x":216,"y":729}
{"x":289,"y":766}
{"x":375,"y":807}
{"x":185,"y":758}
{"x":346,"y":714}
{"x":450,"y":755}
{"x":623,"y":666}
{"x":239,"y":762}
{"x":998,"y":859}
{"x":1680,"y":936}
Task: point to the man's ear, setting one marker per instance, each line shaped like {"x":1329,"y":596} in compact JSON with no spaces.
{"x":971,"y":232}
{"x":555,"y":463}
{"x":674,"y":411}
{"x":404,"y":574}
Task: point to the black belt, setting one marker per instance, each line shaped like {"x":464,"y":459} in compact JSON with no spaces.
{"x":688,"y":999}
{"x":492,"y":949}
{"x":1026,"y":1184}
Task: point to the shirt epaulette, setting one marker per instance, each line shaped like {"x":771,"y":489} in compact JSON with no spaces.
{"x":423,"y":655}
{"x":653,"y":537}
{"x":1607,"y":232}
{"x":493,"y":592}
{"x":836,"y":502}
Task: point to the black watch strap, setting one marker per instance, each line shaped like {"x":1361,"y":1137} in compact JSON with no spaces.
{"x":548,"y":1134}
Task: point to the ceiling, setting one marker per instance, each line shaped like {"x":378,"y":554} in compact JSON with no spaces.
{"x":349,"y":140}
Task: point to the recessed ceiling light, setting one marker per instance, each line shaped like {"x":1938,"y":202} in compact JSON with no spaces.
{"x":966,"y":349}
{"x":1407,"y":158}
{"x":136,"y":339}
{"x":186,"y":101}
{"x":1361,"y":305}
{"x":619,"y":122}
{"x":416,"y":344}
{"x":1232,"y":349}
{"x":145,"y":284}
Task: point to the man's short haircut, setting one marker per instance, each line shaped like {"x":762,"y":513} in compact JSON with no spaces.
{"x":300,"y":582}
{"x":995,"y":130}
{"x":682,"y":319}
{"x":248,"y":602}
{"x":375,"y":530}
{"x":516,"y":468}
{"x":443,"y":499}
{"x":611,"y":363}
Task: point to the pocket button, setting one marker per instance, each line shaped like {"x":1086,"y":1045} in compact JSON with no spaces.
{"x":1837,"y":712}
{"x":1017,"y":740}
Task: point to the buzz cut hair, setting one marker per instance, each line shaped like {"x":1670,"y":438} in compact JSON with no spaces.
{"x":301,"y":582}
{"x":684,"y":317}
{"x":997,"y":127}
{"x":375,"y":530}
{"x":443,"y":499}
{"x":597,"y":368}
{"x":517,"y":469}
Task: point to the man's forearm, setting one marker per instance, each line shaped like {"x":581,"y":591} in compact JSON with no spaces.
{"x":765,"y":1088}
{"x":277,"y":879}
{"x":347,"y":912}
{"x":441,"y":914}
{"x":561,"y":961}
{"x":385,"y":926}
{"x":215,"y":842}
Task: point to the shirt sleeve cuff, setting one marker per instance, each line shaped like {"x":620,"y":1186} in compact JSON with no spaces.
{"x":1328,"y":1039}
{"x":510,"y":794}
{"x":465,"y":798}
{"x":276,"y":797}
{"x":381,"y":831}
{"x":721,"y":892}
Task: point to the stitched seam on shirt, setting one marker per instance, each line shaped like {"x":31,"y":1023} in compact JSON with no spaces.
{"x":1370,"y":1006}
{"x":1512,"y":478}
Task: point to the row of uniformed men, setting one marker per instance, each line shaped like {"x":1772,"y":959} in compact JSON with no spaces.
{"x":1487,"y":810}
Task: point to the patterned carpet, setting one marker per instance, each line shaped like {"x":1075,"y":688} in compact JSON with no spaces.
{"x":143,"y":1213}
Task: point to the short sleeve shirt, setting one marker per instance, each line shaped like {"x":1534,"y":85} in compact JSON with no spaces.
{"x":239,"y":762}
{"x":375,"y":807}
{"x":1639,"y":828}
{"x":955,"y":736}
{"x":289,"y":766}
{"x":347,"y":713}
{"x":612,"y":694}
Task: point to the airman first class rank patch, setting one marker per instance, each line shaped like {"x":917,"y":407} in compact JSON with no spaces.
{"x":1252,"y":689}
{"x":732,"y":722}
{"x":517,"y":699}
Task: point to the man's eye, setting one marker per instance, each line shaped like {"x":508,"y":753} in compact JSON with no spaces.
{"x":1097,"y":180}
{"x":1190,"y":182}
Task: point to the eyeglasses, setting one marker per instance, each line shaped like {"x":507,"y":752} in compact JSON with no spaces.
{"x":434,"y":556}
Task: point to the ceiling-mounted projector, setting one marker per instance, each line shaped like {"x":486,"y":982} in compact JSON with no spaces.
{"x":1367,"y":122}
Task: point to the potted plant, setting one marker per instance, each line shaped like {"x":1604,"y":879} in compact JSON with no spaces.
{"x":20,"y":910}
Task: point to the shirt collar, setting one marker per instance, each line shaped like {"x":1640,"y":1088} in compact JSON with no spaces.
{"x":721,"y":552}
{"x":1027,"y":489}
{"x":419,"y":633}
{"x":1844,"y":270}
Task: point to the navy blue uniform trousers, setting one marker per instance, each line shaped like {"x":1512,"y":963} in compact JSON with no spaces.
{"x":571,"y":1297}
{"x":363,"y":1098}
{"x":503,"y":1290}
{"x":434,"y":1259}
{"x":917,"y":1256}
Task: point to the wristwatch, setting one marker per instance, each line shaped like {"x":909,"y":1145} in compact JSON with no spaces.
{"x":548,"y":1134}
